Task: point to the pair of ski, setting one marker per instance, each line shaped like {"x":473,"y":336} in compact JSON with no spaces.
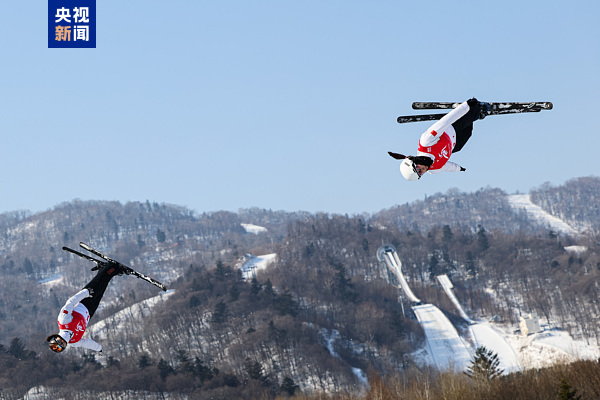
{"x":495,"y":109}
{"x":107,"y":261}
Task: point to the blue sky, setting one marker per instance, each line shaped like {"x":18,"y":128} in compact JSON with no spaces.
{"x":290,"y":105}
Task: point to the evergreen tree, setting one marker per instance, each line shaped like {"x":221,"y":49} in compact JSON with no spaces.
{"x":164,"y":369}
{"x":565,"y":392}
{"x":17,"y":349}
{"x":482,"y":239}
{"x":447,"y":234}
{"x":220,"y":313}
{"x":203,"y":372}
{"x":484,"y":366}
{"x":222,"y":272}
{"x":254,"y":370}
{"x":160,"y":236}
{"x":343,"y":287}
{"x":194,"y":301}
{"x":289,"y":386}
{"x":286,"y":304}
{"x":256,"y":287}
{"x":471,"y":265}
{"x":434,"y":268}
{"x":234,"y":293}
{"x":144,"y":361}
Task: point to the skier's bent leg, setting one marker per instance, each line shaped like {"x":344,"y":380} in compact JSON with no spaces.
{"x":462,"y":137}
{"x":464,"y":125}
{"x":98,"y":286}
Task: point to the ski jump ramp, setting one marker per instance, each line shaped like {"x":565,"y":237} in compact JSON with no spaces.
{"x":388,"y":254}
{"x":448,"y":286}
{"x":483,"y":334}
{"x":446,"y":349}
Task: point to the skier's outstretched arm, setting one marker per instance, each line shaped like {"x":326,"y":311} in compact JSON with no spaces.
{"x":433,"y":134}
{"x":451,"y":117}
{"x":72,"y":302}
{"x":449,"y":167}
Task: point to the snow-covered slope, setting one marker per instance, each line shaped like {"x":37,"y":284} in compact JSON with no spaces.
{"x":103,"y":329}
{"x":251,"y":228}
{"x":523,"y":202}
{"x":255,"y":263}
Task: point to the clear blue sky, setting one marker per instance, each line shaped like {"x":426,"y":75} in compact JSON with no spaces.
{"x":290,"y":105}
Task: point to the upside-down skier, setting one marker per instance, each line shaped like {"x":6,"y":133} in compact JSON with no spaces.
{"x":77,"y":311}
{"x":441,"y":140}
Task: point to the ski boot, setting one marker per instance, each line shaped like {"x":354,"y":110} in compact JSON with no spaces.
{"x":484,"y":109}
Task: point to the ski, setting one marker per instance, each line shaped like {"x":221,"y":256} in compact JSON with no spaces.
{"x":109,"y":261}
{"x":417,"y":118}
{"x":432,"y":117}
{"x":544,"y":105}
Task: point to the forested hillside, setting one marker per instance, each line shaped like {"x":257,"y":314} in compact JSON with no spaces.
{"x":318,"y":319}
{"x":575,"y":202}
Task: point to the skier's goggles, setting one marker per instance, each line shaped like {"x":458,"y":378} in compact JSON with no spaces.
{"x":414,"y":167}
{"x":57,"y":345}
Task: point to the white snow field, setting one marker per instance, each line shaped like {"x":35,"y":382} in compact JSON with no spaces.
{"x":523,"y":202}
{"x":256,"y":263}
{"x":52,"y":281}
{"x":251,"y":228}
{"x":102,"y":329}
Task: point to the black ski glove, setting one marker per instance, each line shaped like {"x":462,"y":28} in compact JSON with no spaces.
{"x":463,"y":169}
{"x":397,"y":156}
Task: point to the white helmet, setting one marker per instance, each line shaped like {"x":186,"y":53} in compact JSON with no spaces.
{"x":409,"y":170}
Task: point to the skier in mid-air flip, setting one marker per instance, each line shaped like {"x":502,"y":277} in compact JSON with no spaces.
{"x":77,"y":311}
{"x":441,"y":140}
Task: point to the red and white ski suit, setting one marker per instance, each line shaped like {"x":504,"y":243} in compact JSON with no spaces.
{"x":73,"y":320}
{"x":439,"y":140}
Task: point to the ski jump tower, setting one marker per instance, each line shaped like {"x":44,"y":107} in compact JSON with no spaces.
{"x":387,"y":253}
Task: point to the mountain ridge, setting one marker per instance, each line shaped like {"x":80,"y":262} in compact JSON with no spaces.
{"x":325,"y":278}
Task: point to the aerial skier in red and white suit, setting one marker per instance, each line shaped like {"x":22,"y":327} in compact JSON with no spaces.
{"x":441,"y":140}
{"x":77,"y":311}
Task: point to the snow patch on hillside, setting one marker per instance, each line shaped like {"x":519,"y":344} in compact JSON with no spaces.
{"x":255,"y":263}
{"x":126,"y":317}
{"x":549,"y":347}
{"x":536,"y":213}
{"x":576,"y":249}
{"x":251,"y":228}
{"x":52,"y":281}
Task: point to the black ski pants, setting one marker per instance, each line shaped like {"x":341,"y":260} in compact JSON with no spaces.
{"x":98,"y":285}
{"x":464,"y":127}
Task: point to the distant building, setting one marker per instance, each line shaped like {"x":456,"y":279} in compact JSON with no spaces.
{"x":530,"y":324}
